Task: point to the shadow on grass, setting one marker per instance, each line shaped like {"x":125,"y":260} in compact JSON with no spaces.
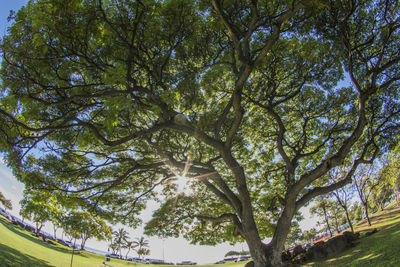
{"x":379,"y":249}
{"x":28,"y":235}
{"x":12,"y":257}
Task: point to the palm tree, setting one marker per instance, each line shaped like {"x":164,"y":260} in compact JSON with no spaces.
{"x":142,"y":245}
{"x":130,"y":245}
{"x":120,"y":238}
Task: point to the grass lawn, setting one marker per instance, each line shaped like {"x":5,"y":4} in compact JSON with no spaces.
{"x":19,"y":247}
{"x":379,"y":249}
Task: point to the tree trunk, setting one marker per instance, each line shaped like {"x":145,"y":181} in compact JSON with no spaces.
{"x":396,"y":190}
{"x":270,"y":255}
{"x":348,"y":218}
{"x":336,"y":224}
{"x":327,"y":221}
{"x":84,"y":239}
{"x":366,"y":213}
{"x":258,"y":249}
{"x":55,"y":232}
{"x":126,"y":256}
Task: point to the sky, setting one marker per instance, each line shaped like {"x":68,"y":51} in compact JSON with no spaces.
{"x":172,"y":250}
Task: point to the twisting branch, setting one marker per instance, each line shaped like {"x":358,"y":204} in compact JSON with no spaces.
{"x":204,"y":175}
{"x":346,"y":180}
{"x":122,"y":140}
{"x":226,"y":217}
{"x":235,"y":35}
{"x":221,"y":120}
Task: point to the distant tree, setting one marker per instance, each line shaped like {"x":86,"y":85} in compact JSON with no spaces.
{"x":237,"y":253}
{"x":69,"y":229}
{"x":321,"y":208}
{"x":129,"y":245}
{"x":232,"y":253}
{"x":143,"y":252}
{"x":244,"y":252}
{"x":383,"y":192}
{"x":120,"y":238}
{"x":356,"y":212}
{"x":57,"y":218}
{"x":365,"y":182}
{"x":142,"y":246}
{"x":6,"y":202}
{"x":84,"y":225}
{"x":35,"y":208}
{"x":389,"y":179}
{"x":343,"y":195}
{"x":294,"y":235}
{"x":309,"y":235}
{"x":113,"y":246}
{"x":336,"y":213}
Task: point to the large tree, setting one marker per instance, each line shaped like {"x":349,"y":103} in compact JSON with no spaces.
{"x":246,"y":101}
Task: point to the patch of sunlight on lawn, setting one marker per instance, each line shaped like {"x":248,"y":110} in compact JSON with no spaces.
{"x":371,"y":256}
{"x":339,"y":258}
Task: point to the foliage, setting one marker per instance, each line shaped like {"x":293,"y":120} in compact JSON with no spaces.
{"x":309,"y":235}
{"x":344,"y":197}
{"x":5,"y":202}
{"x":376,"y":250}
{"x":20,"y":248}
{"x":120,"y":239}
{"x":37,"y":207}
{"x":84,"y":225}
{"x":294,"y":235}
{"x":142,"y":246}
{"x":129,"y":245}
{"x":108,"y":103}
{"x":365,"y":183}
{"x":236,"y":253}
{"x":142,"y":252}
{"x":389,"y":178}
{"x":323,"y":209}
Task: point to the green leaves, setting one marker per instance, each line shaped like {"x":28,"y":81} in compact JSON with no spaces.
{"x":274,"y":95}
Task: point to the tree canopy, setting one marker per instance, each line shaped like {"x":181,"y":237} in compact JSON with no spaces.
{"x":249,"y":103}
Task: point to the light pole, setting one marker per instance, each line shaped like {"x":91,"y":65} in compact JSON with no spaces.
{"x":163,"y":250}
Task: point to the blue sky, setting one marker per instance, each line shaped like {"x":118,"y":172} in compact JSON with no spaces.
{"x":173,"y":249}
{"x":11,"y":188}
{"x":6,"y":6}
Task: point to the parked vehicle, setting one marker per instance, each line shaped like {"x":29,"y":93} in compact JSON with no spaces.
{"x":220,"y":262}
{"x":112,"y":255}
{"x":4,"y":213}
{"x":139,"y":260}
{"x":155,"y":261}
{"x":187,"y":263}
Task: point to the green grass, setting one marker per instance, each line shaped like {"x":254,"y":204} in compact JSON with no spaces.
{"x":379,"y":249}
{"x":19,"y":247}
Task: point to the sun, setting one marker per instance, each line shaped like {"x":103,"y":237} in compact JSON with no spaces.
{"x":181,"y":183}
